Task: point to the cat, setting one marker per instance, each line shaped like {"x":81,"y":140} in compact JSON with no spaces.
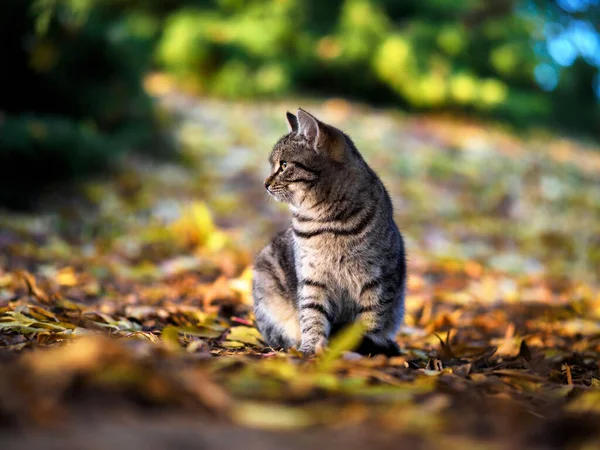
{"x":342,"y":259}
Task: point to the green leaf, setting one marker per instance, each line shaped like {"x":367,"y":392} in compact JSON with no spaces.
{"x":170,"y":336}
{"x":346,"y":340}
{"x":587,"y":402}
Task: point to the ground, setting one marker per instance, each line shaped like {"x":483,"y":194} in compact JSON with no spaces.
{"x":125,"y":308}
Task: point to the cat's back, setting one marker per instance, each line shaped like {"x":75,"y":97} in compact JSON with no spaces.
{"x":277,"y":259}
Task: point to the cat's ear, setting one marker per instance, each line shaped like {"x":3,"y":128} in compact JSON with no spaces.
{"x":323,"y":138}
{"x":308,"y":126}
{"x":292,"y":122}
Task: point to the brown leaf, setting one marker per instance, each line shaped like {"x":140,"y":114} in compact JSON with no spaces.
{"x":32,"y":287}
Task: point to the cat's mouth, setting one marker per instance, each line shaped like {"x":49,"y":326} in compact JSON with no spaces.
{"x":278,"y":194}
{"x":281,"y":194}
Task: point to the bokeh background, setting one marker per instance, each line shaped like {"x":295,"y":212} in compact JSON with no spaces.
{"x":134,"y":138}
{"x":72,"y":96}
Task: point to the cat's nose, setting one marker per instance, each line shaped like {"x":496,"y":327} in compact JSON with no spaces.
{"x":267,"y":184}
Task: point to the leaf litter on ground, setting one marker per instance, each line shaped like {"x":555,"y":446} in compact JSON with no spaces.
{"x":500,"y":346}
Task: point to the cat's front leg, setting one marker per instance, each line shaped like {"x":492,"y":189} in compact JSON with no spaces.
{"x":315,"y":317}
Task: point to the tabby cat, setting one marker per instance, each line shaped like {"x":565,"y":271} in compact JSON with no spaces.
{"x":343,"y":257}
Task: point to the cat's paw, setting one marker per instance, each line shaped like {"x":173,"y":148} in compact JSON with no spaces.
{"x":306,"y":349}
{"x":313,"y":347}
{"x":320,"y":347}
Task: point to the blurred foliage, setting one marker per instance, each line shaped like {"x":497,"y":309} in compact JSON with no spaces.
{"x":468,"y":55}
{"x":487,"y":58}
{"x":78,"y":65}
{"x":72,"y":100}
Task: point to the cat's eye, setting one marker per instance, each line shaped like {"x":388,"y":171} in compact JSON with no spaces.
{"x":283,"y":165}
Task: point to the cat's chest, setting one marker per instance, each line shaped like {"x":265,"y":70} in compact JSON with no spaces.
{"x":344,"y":267}
{"x":329,"y":254}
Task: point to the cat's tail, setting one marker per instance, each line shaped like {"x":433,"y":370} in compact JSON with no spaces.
{"x":369,"y":346}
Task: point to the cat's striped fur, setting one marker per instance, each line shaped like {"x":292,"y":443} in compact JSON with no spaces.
{"x":343,"y":257}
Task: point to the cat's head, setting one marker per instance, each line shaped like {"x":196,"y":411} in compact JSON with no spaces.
{"x":308,"y":161}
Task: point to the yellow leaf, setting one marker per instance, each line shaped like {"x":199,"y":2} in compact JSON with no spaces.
{"x":6,"y":280}
{"x":245,"y":335}
{"x":81,"y":355}
{"x":66,"y":277}
{"x":232,"y":344}
{"x":279,"y":368}
{"x":271,"y":417}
